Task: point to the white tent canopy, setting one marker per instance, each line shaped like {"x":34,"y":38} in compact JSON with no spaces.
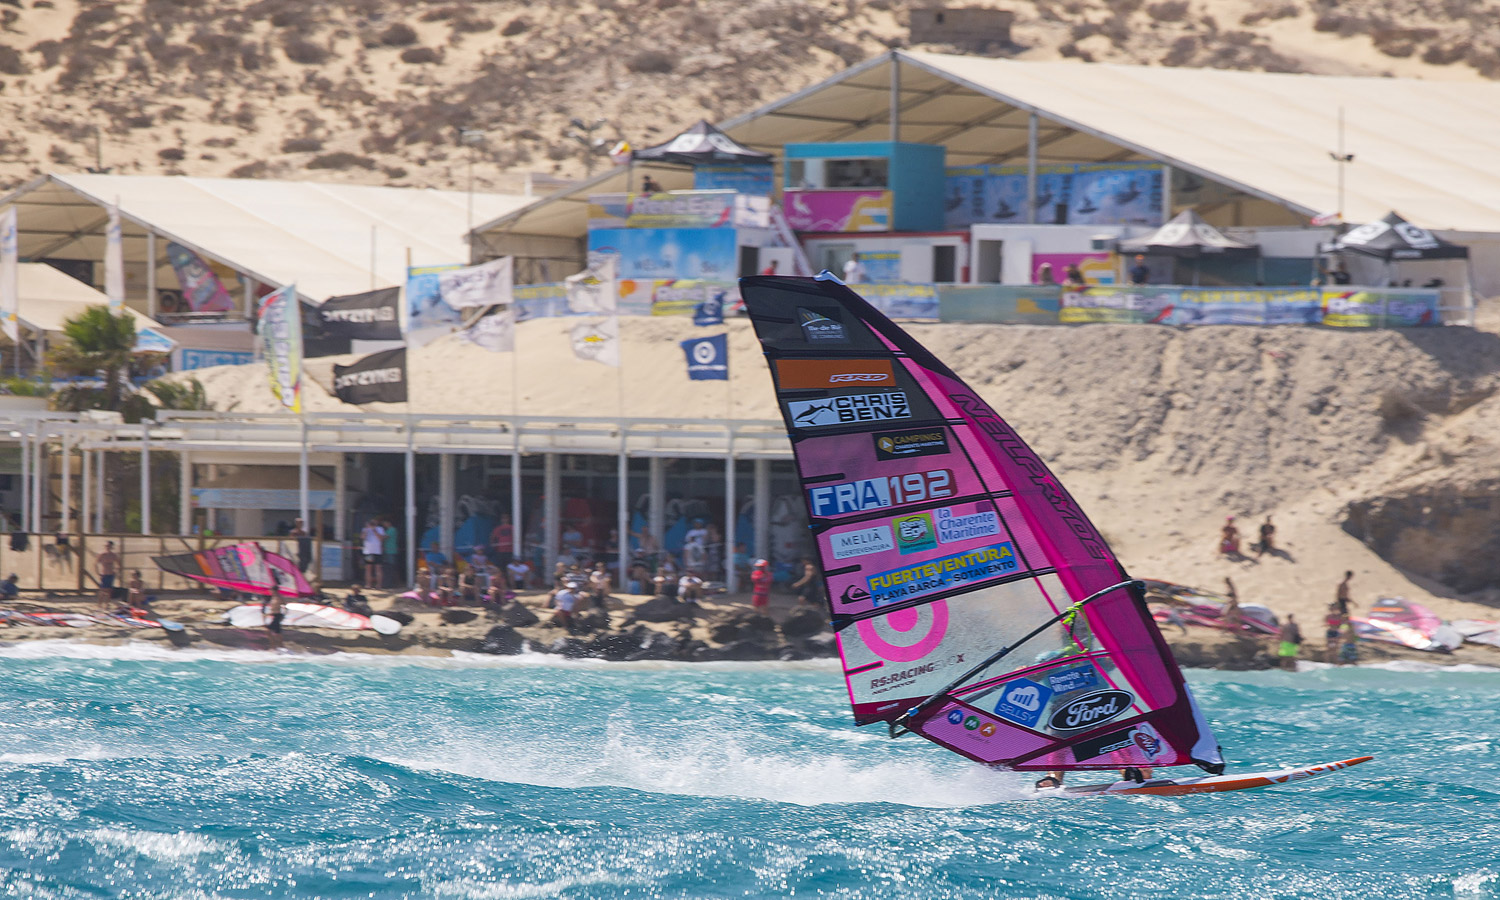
{"x":49,"y":298}
{"x":327,"y":238}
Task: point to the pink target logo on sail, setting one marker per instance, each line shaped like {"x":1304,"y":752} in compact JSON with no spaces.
{"x":906,"y":634}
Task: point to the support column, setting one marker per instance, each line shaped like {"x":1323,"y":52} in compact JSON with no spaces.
{"x":551,"y":513}
{"x":517,"y":531}
{"x":145,"y":478}
{"x":185,"y":496}
{"x":763,"y":509}
{"x":99,"y":492}
{"x":622,"y":514}
{"x":302,"y":479}
{"x":66,"y":526}
{"x":731,"y":577}
{"x":895,"y":114}
{"x":1166,"y":194}
{"x":658,"y":491}
{"x":1031,"y":146}
{"x":85,"y":522}
{"x":445,"y":503}
{"x":411,"y":507}
{"x":26,"y":483}
{"x":340,"y":510}
{"x":39,"y":481}
{"x":151,"y":302}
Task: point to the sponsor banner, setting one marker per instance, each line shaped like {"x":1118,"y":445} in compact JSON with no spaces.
{"x":708,"y":358}
{"x":1117,"y":304}
{"x":1088,"y":194}
{"x":953,"y":525}
{"x":849,"y":409}
{"x":838,"y":211}
{"x":881,"y":266}
{"x":191,"y":358}
{"x":425,"y":309}
{"x":1063,"y":681}
{"x":114,"y":261}
{"x":902,"y":301}
{"x":280,"y":326}
{"x":911,"y":442}
{"x":820,"y":328}
{"x":1090,"y":710}
{"x":149,"y":340}
{"x":814,"y":374}
{"x":495,"y":332}
{"x":925,"y":579}
{"x":10,"y":275}
{"x":748,"y":178}
{"x":261,"y":498}
{"x":1386,"y":307}
{"x":1022,"y":701}
{"x":711,"y":310}
{"x":860,"y":541}
{"x":677,"y":209}
{"x":1006,"y":304}
{"x":709,"y":254}
{"x":201,"y":288}
{"x":377,"y":378}
{"x":540,"y":301}
{"x":371,"y":316}
{"x":914,"y":533}
{"x":1257,"y":306}
{"x":487,"y":284}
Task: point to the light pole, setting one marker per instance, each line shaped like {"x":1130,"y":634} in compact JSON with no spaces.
{"x":472,"y":138}
{"x":1342,"y":159}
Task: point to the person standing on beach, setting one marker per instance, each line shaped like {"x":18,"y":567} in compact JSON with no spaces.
{"x":107,"y":564}
{"x":503,"y":541}
{"x":275,"y":612}
{"x":1229,"y":538}
{"x":1267,"y":538}
{"x":392,"y":548}
{"x":1341,"y":599}
{"x":372,"y":545}
{"x":1291,"y":643}
{"x":854,"y":270}
{"x":760,"y":587}
{"x":304,"y":545}
{"x":1232,"y":616}
{"x":1333,"y":623}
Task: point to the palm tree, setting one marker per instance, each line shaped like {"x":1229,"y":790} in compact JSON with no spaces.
{"x":97,"y":343}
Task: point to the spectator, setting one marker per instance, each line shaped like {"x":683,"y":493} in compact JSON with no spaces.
{"x":689,"y":587}
{"x":760,"y":587}
{"x":518,"y":574}
{"x":372,"y":546}
{"x":665,"y":583}
{"x":1291,"y":643}
{"x":1267,"y":538}
{"x":304,"y":544}
{"x":391,"y":555}
{"x":503,"y":541}
{"x":135,"y":596}
{"x":446,"y":584}
{"x":1229,"y":538}
{"x":1044,"y":274}
{"x":695,"y":546}
{"x":1341,"y":598}
{"x":564,"y":602}
{"x":107,"y":564}
{"x":10,"y":588}
{"x":1140,"y":273}
{"x":770,"y":269}
{"x":1232,"y":616}
{"x":649,"y":185}
{"x":854,"y":270}
{"x":1333,"y":624}
{"x":599,"y":584}
{"x":809,"y":587}
{"x":1073,"y":276}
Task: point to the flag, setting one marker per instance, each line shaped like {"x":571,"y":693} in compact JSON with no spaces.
{"x":708,"y":358}
{"x":10,"y":276}
{"x":596,"y":289}
{"x":149,"y":340}
{"x":428,"y":316}
{"x":1328,"y":218}
{"x":114,"y":261}
{"x":598,"y":341}
{"x":201,"y":288}
{"x":711,"y":310}
{"x":280,"y":328}
{"x":370,"y":316}
{"x":377,"y":378}
{"x":620,"y":153}
{"x":495,"y":332}
{"x":483,"y":285}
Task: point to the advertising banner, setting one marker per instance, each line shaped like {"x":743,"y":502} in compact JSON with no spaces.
{"x":192,"y":358}
{"x":598,"y":341}
{"x":10,"y":275}
{"x":427,"y":316}
{"x":1259,"y":306}
{"x":881,"y":266}
{"x":682,"y":209}
{"x":1115,"y":195}
{"x":201,"y":288}
{"x":1090,"y":194}
{"x":902,"y":301}
{"x":541,"y":301}
{"x":114,"y":261}
{"x":1117,"y":304}
{"x":746,"y":178}
{"x":708,"y":358}
{"x":377,"y":378}
{"x":669,"y":253}
{"x":711,"y":310}
{"x":1382,"y":308}
{"x":371,"y":316}
{"x":839,"y":211}
{"x":1009,"y":304}
{"x":280,"y":327}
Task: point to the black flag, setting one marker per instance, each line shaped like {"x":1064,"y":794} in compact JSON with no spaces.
{"x":371,"y":316}
{"x":377,"y":378}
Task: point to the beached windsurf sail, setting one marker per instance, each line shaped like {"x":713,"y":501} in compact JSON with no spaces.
{"x":955,"y":562}
{"x":244,"y":567}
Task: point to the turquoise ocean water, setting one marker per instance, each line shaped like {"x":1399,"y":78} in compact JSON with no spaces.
{"x":141,"y":773}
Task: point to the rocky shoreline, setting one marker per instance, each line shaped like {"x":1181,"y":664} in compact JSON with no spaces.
{"x":631,"y":628}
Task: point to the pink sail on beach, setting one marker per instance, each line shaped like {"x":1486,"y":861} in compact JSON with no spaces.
{"x":244,"y":567}
{"x":944,"y":540}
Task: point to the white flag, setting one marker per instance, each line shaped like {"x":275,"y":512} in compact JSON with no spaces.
{"x":495,"y":332}
{"x":598,"y":341}
{"x":114,"y":262}
{"x":486,"y":284}
{"x":10,"y":276}
{"x":596,"y":289}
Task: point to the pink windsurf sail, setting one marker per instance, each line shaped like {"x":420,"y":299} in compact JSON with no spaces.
{"x":955,"y":563}
{"x":243,"y":567}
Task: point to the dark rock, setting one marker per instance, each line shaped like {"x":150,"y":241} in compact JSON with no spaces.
{"x":518,"y":615}
{"x":590,"y":622}
{"x":803,"y":622}
{"x":616,"y":646}
{"x":655,"y":645}
{"x":742,"y":626}
{"x":740,"y":651}
{"x":791,"y":652}
{"x":571,"y":647}
{"x":821,"y":646}
{"x":458,"y":616}
{"x":665,"y":609}
{"x":405,"y":618}
{"x":502,"y":640}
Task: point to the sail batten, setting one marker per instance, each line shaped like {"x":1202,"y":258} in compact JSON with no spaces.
{"x":944,"y":538}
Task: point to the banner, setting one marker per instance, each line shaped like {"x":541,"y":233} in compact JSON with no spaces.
{"x":1117,"y":304}
{"x":1008,"y":304}
{"x":371,"y":316}
{"x":595,"y":290}
{"x":746,"y":178}
{"x":1249,"y":306}
{"x":377,"y":378}
{"x":1380,"y":308}
{"x":114,"y":261}
{"x":280,"y":327}
{"x":195,"y":358}
{"x":711,"y":254}
{"x":427,"y":316}
{"x":838,"y":211}
{"x":10,"y":276}
{"x":149,"y":340}
{"x":598,"y":341}
{"x":487,"y":284}
{"x":495,"y":332}
{"x":711,"y":310}
{"x":902,"y":301}
{"x":708,"y":358}
{"x":201,"y":288}
{"x":1089,"y":194}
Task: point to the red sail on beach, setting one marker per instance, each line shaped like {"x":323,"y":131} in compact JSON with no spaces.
{"x":944,"y":539}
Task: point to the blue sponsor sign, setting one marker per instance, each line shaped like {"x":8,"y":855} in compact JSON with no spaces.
{"x":924,"y":579}
{"x":708,"y":358}
{"x":204,"y":359}
{"x":709,"y":254}
{"x":849,"y":497}
{"x":711,"y":310}
{"x":1022,"y":701}
{"x":1065,"y":680}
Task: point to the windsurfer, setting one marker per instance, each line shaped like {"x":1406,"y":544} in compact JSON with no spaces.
{"x":1137,"y":774}
{"x":275,"y":612}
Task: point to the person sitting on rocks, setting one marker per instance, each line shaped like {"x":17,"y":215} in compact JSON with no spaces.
{"x":690,"y":587}
{"x":356,"y":602}
{"x":599,"y":585}
{"x":564,"y":602}
{"x":446,"y":584}
{"x":666,"y":585}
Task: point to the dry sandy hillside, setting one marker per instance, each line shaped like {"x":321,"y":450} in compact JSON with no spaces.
{"x":376,"y":91}
{"x":1375,"y":451}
